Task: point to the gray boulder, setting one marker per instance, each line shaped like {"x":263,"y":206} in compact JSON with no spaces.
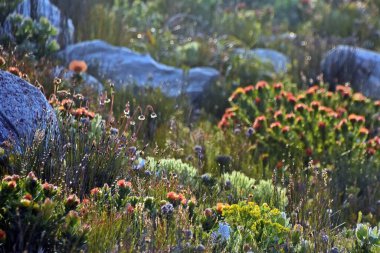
{"x":357,"y":66}
{"x":124,"y":66}
{"x":277,"y":60}
{"x":88,"y":80}
{"x":23,"y":111}
{"x":36,"y":9}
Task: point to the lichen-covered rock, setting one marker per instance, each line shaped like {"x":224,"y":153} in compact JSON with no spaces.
{"x":124,"y":67}
{"x":36,"y":9}
{"x":357,"y":66}
{"x":23,"y":111}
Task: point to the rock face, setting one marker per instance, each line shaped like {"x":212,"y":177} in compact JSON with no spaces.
{"x":278,"y":60}
{"x":23,"y":111}
{"x":357,"y":66}
{"x":88,"y":80}
{"x":36,"y":9}
{"x":123,"y":67}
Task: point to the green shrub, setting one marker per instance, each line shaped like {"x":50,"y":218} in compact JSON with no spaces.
{"x":36,"y":216}
{"x":185,"y":173}
{"x":288,"y":130}
{"x":367,"y":238}
{"x":260,"y":226}
{"x":33,"y":37}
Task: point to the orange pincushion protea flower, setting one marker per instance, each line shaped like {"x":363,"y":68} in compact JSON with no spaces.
{"x":130,"y":209}
{"x":261,"y":85}
{"x":311,"y":91}
{"x":301,"y":97}
{"x":124,"y":184}
{"x":291,"y":98}
{"x":341,"y":88}
{"x":278,"y":86}
{"x":83,"y":112}
{"x":278,"y":115}
{"x":341,"y":111}
{"x":360,"y":119}
{"x":290,"y":117}
{"x":259,"y":122}
{"x":275,"y":125}
{"x":28,"y":196}
{"x":222,"y":123}
{"x":12,"y":185}
{"x":324,"y":109}
{"x":358,"y":97}
{"x":95,"y":191}
{"x":356,"y":118}
{"x":15,"y":71}
{"x":285,"y":129}
{"x":78,"y":66}
{"x":371,"y":151}
{"x":249,"y":88}
{"x":363,"y":131}
{"x":236,"y":93}
{"x":342,"y":125}
{"x":220,"y":207}
{"x":172,"y":196}
{"x":300,"y":107}
{"x":315,"y":105}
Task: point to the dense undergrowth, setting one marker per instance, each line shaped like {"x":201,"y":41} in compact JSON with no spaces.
{"x":285,"y":167}
{"x":311,"y":158}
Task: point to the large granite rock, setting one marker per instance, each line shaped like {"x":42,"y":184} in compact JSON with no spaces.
{"x":36,"y":9}
{"x":277,"y":60}
{"x":357,"y":66}
{"x":23,"y":111}
{"x":124,"y":66}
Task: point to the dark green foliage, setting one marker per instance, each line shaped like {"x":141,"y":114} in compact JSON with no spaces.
{"x":33,"y":37}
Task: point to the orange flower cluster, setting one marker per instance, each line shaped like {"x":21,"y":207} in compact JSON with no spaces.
{"x":353,"y":118}
{"x":15,"y":71}
{"x":228,"y":114}
{"x":303,"y":117}
{"x":175,"y":198}
{"x":95,"y":191}
{"x":82,"y":112}
{"x":220,"y":207}
{"x":259,"y":122}
{"x":78,"y":66}
{"x":345,"y":91}
{"x":124,"y":184}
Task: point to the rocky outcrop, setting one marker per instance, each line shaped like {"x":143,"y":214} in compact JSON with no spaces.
{"x":357,"y":66}
{"x":277,"y":60}
{"x":36,"y":9}
{"x":88,"y":81}
{"x":124,"y":67}
{"x":23,"y":111}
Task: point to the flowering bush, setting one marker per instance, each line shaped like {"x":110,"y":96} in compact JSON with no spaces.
{"x":315,"y":123}
{"x":288,"y":129}
{"x":36,"y":216}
